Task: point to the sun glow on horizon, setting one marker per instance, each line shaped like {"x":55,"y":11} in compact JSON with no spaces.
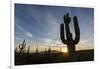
{"x":64,"y":50}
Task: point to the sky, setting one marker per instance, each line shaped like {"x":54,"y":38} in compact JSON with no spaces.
{"x":40,"y":25}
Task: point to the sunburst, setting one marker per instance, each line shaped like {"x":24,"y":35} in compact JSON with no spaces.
{"x":64,"y":50}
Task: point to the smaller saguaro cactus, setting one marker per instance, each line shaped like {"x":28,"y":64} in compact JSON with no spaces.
{"x":22,"y":47}
{"x":49,"y":50}
{"x":28,"y":50}
{"x":16,"y":50}
{"x":37,"y":50}
{"x":45,"y":50}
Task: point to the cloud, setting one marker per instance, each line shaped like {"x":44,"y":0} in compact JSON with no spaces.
{"x":18,"y":38}
{"x":29,"y":34}
{"x":20,"y":28}
{"x":84,"y":41}
{"x":46,"y":40}
{"x":51,"y":42}
{"x":24,"y":32}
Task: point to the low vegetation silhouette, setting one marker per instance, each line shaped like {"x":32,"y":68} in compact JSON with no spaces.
{"x":25,"y":57}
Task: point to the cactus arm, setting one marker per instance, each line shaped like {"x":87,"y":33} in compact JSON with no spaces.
{"x":68,"y":33}
{"x":62,"y":36}
{"x":23,"y":44}
{"x":67,"y":20}
{"x":24,"y":41}
{"x":77,"y":30}
{"x":19,"y":46}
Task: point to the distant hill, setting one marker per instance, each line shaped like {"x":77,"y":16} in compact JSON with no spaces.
{"x":85,"y":55}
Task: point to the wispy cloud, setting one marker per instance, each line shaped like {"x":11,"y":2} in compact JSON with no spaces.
{"x":51,"y":42}
{"x":29,"y":34}
{"x":24,"y":32}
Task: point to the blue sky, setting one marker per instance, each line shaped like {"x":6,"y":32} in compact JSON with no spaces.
{"x":40,"y":24}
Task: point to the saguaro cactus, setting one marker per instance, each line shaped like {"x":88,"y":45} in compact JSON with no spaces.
{"x":28,"y":50}
{"x":37,"y":50}
{"x":65,"y":31}
{"x":45,"y":51}
{"x":22,"y":47}
{"x":16,"y":50}
{"x":49,"y":50}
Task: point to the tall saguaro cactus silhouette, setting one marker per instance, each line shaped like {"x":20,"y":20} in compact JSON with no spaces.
{"x":65,"y":31}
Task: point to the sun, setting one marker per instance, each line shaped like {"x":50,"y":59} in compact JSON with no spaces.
{"x":64,"y":50}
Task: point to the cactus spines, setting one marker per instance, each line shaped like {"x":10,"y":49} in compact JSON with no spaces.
{"x":22,"y":47}
{"x":65,"y":30}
